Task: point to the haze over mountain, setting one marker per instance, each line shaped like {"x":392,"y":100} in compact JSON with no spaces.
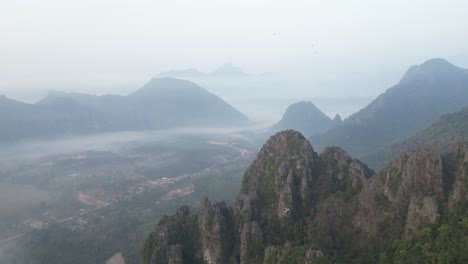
{"x":296,"y":206}
{"x":160,"y":104}
{"x":186,"y":73}
{"x":306,"y":118}
{"x":117,"y":113}
{"x":228,"y":69}
{"x":60,"y":116}
{"x":446,"y":132}
{"x":424,"y":93}
{"x":306,"y":40}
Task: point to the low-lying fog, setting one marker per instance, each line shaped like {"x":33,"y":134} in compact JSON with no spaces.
{"x":115,"y":141}
{"x":75,"y":188}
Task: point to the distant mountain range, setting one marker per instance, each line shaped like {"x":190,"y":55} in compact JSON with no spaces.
{"x":226,"y":70}
{"x":306,"y":118}
{"x":425,"y":92}
{"x":160,"y":104}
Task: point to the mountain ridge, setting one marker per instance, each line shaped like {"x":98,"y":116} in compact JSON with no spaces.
{"x":424,"y":93}
{"x":448,"y":130}
{"x":160,"y":104}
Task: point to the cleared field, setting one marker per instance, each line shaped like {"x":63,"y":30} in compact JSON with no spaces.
{"x":15,"y":198}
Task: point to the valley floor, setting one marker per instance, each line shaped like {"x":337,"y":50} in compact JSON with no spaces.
{"x":88,"y":195}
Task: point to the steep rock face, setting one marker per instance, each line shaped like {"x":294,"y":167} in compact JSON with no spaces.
{"x":339,"y":172}
{"x":175,"y":241}
{"x":251,"y":243}
{"x":413,"y":173}
{"x":340,"y":179}
{"x":216,"y":233}
{"x":414,"y":185}
{"x":276,"y":190}
{"x":297,"y":207}
{"x":406,"y":195}
{"x":458,"y":194}
{"x":279,"y":180}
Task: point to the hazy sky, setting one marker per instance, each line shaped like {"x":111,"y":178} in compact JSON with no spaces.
{"x":117,"y":45}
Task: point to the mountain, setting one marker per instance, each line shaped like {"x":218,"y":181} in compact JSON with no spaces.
{"x":228,"y":69}
{"x":60,"y":116}
{"x":306,"y":118}
{"x":337,"y":120}
{"x":424,"y":93}
{"x":160,"y":104}
{"x":296,"y":206}
{"x":173,"y":103}
{"x":447,"y":131}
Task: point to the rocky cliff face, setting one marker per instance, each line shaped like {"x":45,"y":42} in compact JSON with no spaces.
{"x":276,"y":192}
{"x":457,"y":167}
{"x":175,"y":241}
{"x":296,"y":206}
{"x":217,"y":236}
{"x":413,"y":184}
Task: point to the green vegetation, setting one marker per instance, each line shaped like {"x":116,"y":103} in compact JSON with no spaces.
{"x":442,"y":243}
{"x":184,"y":231}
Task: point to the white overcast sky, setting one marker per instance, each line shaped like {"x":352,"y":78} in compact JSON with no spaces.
{"x":89,"y":45}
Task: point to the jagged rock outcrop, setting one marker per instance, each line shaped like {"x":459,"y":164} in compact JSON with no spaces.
{"x":176,"y":240}
{"x":414,"y":185}
{"x":458,"y":169}
{"x":299,"y":207}
{"x":216,"y":233}
{"x":276,"y":191}
{"x":280,"y":179}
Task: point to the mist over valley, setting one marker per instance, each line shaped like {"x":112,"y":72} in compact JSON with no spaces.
{"x":233,"y":132}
